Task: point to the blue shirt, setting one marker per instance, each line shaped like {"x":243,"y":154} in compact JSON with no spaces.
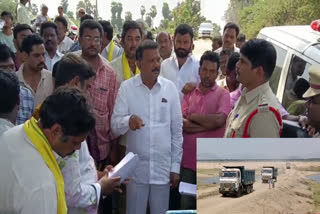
{"x":26,"y":107}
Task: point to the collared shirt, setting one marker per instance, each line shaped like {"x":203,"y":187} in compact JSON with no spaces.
{"x":188,"y":73}
{"x":28,"y":185}
{"x":234,"y":96}
{"x":103,"y":93}
{"x":39,"y":20}
{"x":5,"y":125}
{"x":26,"y":107}
{"x":171,"y":55}
{"x":117,"y":51}
{"x":75,"y":47}
{"x":23,"y":15}
{"x":80,"y":181}
{"x":235,"y":49}
{"x":159,"y":142}
{"x":65,"y":45}
{"x":51,"y":61}
{"x":264,"y":124}
{"x":44,"y":88}
{"x":8,"y":41}
{"x":215,"y":101}
{"x":117,"y":66}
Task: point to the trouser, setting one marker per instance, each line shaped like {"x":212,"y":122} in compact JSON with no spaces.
{"x":138,"y":196}
{"x":188,"y":176}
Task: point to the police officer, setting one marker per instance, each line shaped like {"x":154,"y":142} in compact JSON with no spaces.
{"x":256,"y":113}
{"x":313,"y":104}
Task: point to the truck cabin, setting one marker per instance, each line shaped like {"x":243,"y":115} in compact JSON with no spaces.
{"x":229,"y":174}
{"x":267,"y":171}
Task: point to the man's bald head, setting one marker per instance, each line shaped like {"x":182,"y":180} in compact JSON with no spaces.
{"x":165,"y":44}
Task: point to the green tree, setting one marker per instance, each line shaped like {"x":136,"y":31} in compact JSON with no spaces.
{"x":216,"y":29}
{"x":64,"y":4}
{"x":114,"y":6}
{"x":149,"y":20}
{"x":128,"y":16}
{"x":166,"y":13}
{"x":142,"y":11}
{"x":81,"y":4}
{"x":187,"y":12}
{"x":260,"y":13}
{"x":8,"y":5}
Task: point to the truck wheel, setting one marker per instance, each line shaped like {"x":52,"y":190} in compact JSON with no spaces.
{"x":248,"y":189}
{"x":224,"y":195}
{"x":238,"y":193}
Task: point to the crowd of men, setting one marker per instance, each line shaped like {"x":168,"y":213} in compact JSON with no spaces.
{"x":71,"y":109}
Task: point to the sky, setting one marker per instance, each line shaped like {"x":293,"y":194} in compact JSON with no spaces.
{"x":212,"y":9}
{"x":252,"y":148}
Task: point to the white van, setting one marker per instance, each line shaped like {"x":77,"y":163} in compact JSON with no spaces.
{"x":205,"y":30}
{"x":297,"y":48}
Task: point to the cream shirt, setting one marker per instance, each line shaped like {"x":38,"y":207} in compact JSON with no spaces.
{"x":264,"y":124}
{"x":27,"y":184}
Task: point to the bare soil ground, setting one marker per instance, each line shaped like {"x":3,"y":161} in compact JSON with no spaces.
{"x":292,"y":193}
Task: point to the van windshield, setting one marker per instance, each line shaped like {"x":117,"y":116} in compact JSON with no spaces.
{"x":206,"y":25}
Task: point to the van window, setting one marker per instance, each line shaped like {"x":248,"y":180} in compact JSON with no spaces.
{"x":296,"y":84}
{"x":274,"y":79}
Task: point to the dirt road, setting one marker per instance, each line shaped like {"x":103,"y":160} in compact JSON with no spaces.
{"x":291,"y":194}
{"x":200,"y":46}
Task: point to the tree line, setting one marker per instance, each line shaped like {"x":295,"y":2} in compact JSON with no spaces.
{"x":253,"y":15}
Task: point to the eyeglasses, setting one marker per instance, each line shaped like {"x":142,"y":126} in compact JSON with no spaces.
{"x":89,"y":39}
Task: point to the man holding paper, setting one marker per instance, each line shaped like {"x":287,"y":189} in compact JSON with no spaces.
{"x":148,"y":110}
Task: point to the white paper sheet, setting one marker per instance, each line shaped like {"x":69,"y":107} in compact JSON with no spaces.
{"x":188,"y":189}
{"x":125,"y":168}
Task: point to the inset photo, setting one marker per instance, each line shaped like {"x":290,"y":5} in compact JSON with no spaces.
{"x":258,"y":176}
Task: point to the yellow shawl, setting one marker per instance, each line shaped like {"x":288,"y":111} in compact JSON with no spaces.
{"x":111,"y":48}
{"x":126,"y":68}
{"x":41,"y":143}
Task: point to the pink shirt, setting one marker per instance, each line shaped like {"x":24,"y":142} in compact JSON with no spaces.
{"x":103,"y":91}
{"x":234,"y":96}
{"x":217,"y":100}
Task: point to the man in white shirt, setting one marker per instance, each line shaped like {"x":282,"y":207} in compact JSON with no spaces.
{"x":49,"y":33}
{"x":165,"y":45}
{"x":33,"y":182}
{"x":43,"y":17}
{"x":148,"y":109}
{"x":64,"y":42}
{"x":9,"y":92}
{"x":229,"y":37}
{"x":182,"y":68}
{"x":109,"y":49}
{"x":24,"y":15}
{"x":82,"y":187}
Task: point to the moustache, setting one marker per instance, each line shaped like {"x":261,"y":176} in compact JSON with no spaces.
{"x":41,"y":64}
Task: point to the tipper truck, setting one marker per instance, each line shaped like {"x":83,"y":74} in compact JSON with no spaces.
{"x":269,"y":172}
{"x":235,"y":180}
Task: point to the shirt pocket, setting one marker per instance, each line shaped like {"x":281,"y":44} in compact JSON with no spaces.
{"x":237,"y":126}
{"x":100,"y":99}
{"x":163,"y":113}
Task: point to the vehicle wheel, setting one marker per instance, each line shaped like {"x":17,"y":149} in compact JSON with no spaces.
{"x":224,"y":195}
{"x":238,"y":193}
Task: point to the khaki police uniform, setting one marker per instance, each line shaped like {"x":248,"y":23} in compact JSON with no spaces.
{"x":314,"y":89}
{"x":256,"y":114}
